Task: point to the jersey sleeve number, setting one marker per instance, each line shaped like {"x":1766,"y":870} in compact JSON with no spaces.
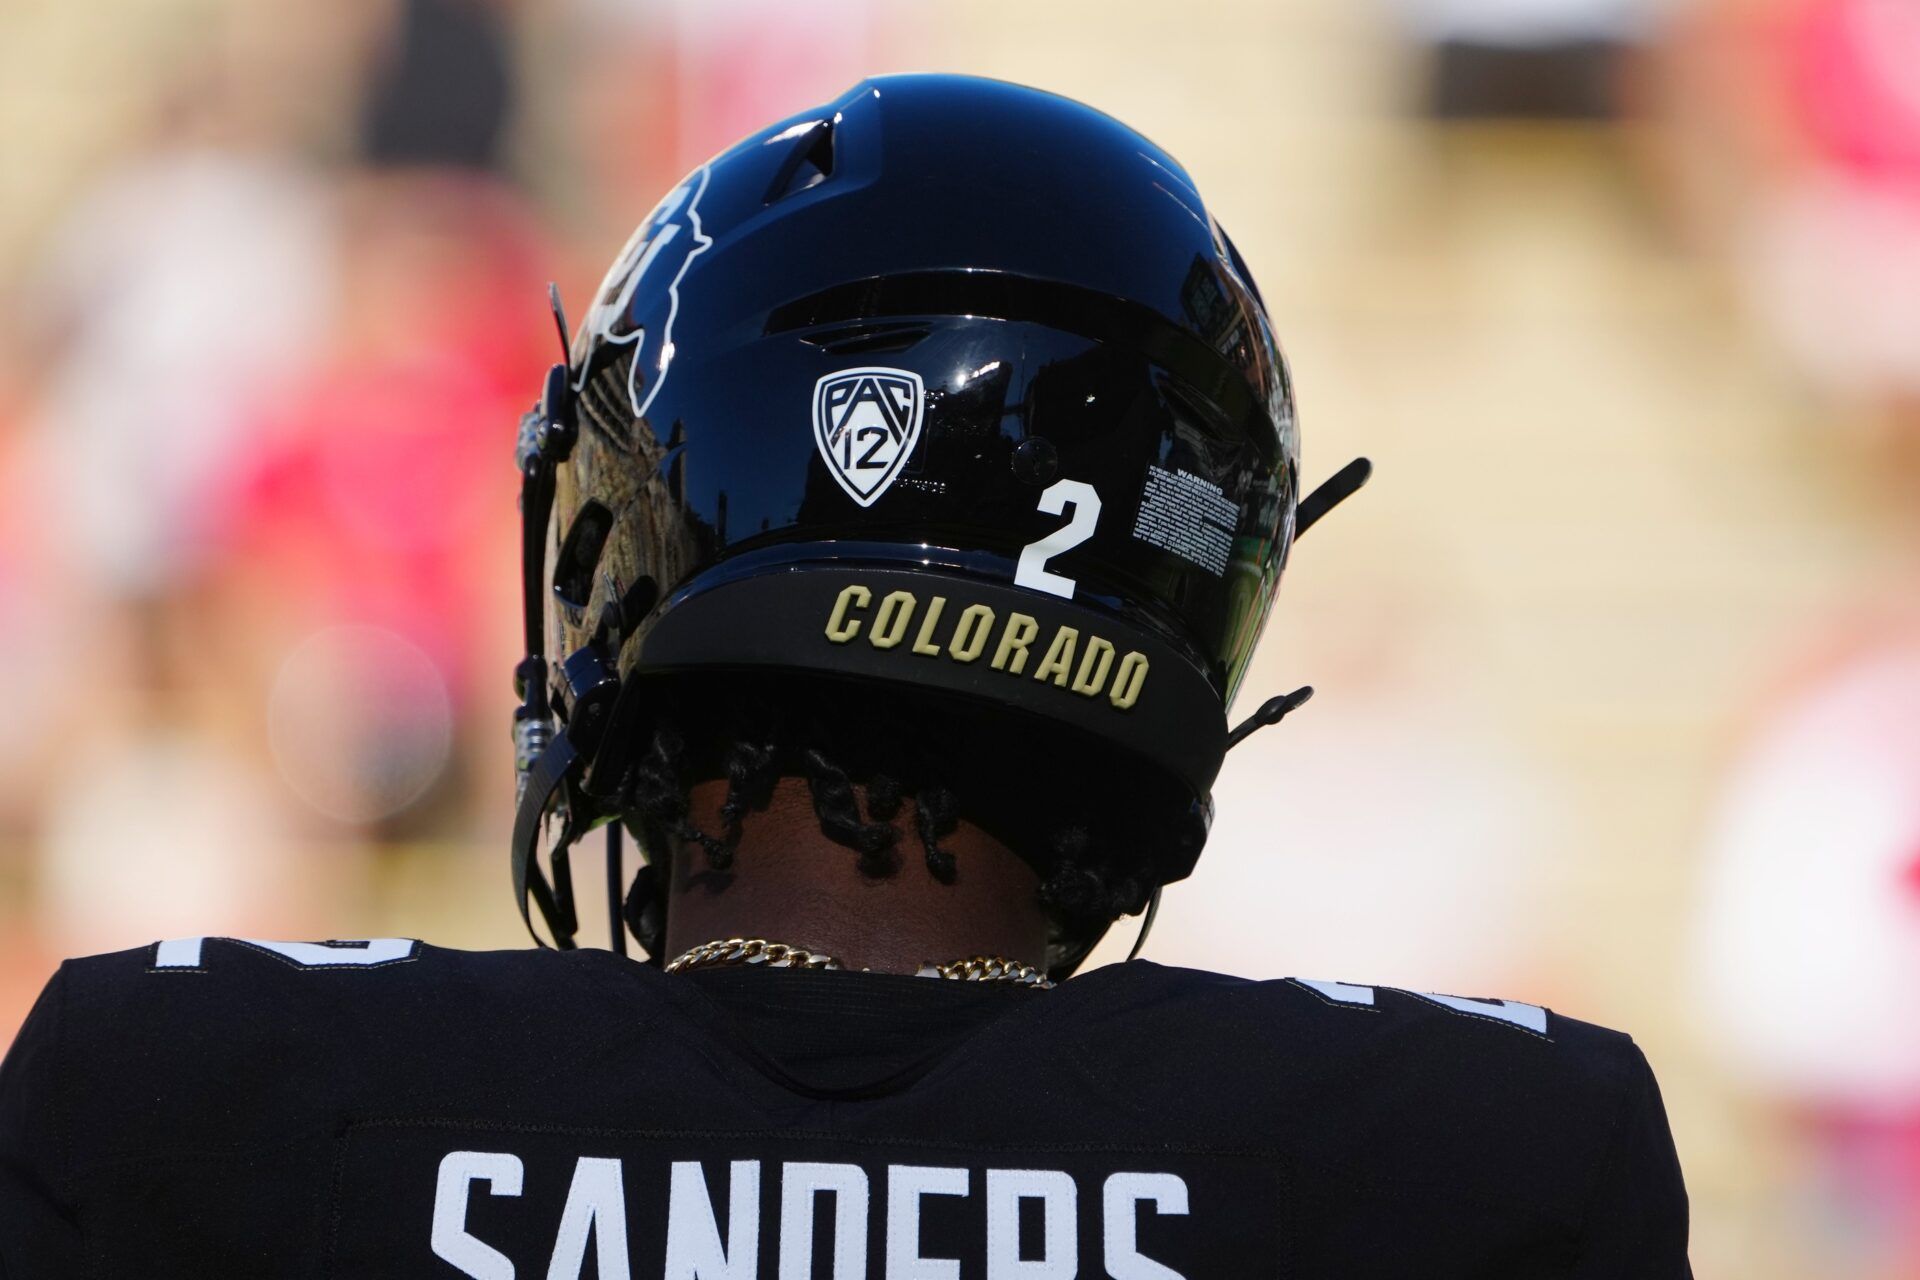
{"x":1059,"y":497}
{"x":1527,"y":1017}
{"x":356,"y":953}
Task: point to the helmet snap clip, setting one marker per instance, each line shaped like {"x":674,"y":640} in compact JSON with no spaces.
{"x":1272,"y":711}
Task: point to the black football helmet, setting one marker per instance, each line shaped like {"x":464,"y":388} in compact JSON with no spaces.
{"x":949,"y":384}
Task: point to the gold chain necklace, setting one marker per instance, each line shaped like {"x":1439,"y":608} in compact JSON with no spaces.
{"x":730,"y":952}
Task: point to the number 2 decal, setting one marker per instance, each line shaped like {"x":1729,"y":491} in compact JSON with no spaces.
{"x":1056,"y":500}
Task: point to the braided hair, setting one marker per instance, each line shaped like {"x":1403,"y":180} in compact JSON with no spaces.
{"x":1060,"y":810}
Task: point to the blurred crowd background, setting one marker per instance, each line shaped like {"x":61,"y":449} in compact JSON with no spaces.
{"x":1618,"y":657}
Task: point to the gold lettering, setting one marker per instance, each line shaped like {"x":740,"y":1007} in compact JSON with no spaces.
{"x":922,"y":643}
{"x":890,"y":622}
{"x":1058,"y":664}
{"x":840,"y":628}
{"x":1021,"y":629}
{"x":1094,"y":666}
{"x":971,"y":632}
{"x":1128,"y":681}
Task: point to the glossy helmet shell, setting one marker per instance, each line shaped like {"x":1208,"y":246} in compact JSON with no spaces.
{"x":950,"y":384}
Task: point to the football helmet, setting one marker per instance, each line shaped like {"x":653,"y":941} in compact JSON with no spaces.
{"x":950,"y":385}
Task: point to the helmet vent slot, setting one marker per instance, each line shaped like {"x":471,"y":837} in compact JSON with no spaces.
{"x":809,"y":164}
{"x":856,"y":339}
{"x":580,"y":555}
{"x":604,"y":403}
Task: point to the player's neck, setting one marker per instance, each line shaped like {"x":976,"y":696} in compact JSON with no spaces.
{"x":789,"y":883}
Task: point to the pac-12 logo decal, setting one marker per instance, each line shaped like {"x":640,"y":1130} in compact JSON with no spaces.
{"x":657,"y":255}
{"x":866,"y":423}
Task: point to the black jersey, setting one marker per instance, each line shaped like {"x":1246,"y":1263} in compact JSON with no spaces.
{"x":213,"y":1108}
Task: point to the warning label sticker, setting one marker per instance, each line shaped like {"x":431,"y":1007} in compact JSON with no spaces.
{"x":1188,"y":515}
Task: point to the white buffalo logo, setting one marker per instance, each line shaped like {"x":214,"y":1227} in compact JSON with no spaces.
{"x":866,"y":422}
{"x":660,"y":250}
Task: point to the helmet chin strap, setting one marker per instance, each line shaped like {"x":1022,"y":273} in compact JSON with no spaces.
{"x":1333,"y":491}
{"x":545,"y":757}
{"x":1272,"y":711}
{"x":552,"y":744}
{"x":1146,"y":923}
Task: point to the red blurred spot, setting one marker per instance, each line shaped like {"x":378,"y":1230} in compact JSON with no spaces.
{"x":1855,"y":65}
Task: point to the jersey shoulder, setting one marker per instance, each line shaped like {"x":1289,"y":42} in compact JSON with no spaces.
{"x":1481,"y":1098}
{"x":1317,"y":1020}
{"x":222,"y":1043}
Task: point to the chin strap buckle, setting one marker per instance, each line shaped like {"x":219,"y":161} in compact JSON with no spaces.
{"x":531,"y":738}
{"x":592,"y":689}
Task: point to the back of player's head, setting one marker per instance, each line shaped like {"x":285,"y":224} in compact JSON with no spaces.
{"x":1091,"y":821}
{"x":948,"y":397}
